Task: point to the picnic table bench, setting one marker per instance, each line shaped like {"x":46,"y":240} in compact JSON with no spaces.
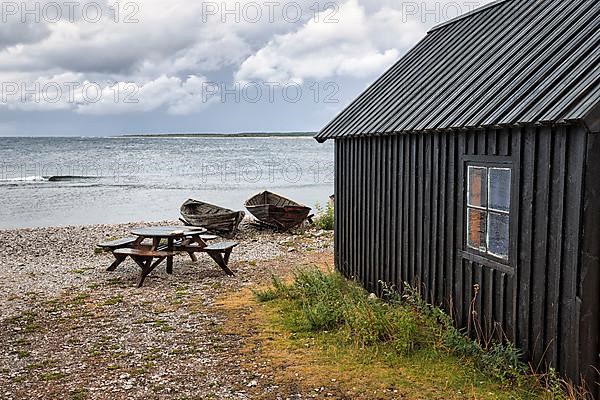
{"x":144,"y":258}
{"x":148,"y":249}
{"x":219,"y":252}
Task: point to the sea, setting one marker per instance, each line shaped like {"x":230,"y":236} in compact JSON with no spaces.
{"x":83,"y":181}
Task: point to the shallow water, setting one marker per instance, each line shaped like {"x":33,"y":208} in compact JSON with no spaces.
{"x":81,"y":181}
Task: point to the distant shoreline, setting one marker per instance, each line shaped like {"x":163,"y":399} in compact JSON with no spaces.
{"x":223,"y":135}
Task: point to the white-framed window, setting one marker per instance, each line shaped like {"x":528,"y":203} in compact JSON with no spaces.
{"x":488,"y":210}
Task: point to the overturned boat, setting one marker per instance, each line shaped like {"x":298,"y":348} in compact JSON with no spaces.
{"x":277,"y":211}
{"x":218,"y":220}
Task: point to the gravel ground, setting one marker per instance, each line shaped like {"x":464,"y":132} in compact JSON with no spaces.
{"x":71,"y":330}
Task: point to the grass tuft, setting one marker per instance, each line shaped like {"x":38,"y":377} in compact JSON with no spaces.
{"x":396,"y":326}
{"x":325,"y":301}
{"x":325,"y":217}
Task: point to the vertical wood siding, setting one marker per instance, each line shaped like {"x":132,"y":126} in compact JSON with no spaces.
{"x":400,"y":217}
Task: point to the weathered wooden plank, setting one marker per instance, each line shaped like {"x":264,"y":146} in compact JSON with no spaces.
{"x":482,"y":143}
{"x":436,"y":226}
{"x":375,"y":241}
{"x":382,"y":223}
{"x":386,"y":219}
{"x":351,"y":235}
{"x":555,"y":255}
{"x":450,"y":259}
{"x":359,"y":213}
{"x":338,"y":207}
{"x":459,"y":238}
{"x":569,"y":312}
{"x":493,"y":142}
{"x":487,"y":294}
{"x":510,"y":322}
{"x":427,"y":226}
{"x":419,"y":206}
{"x":407,"y":215}
{"x":471,"y":144}
{"x":468,"y":298}
{"x":514,"y":137}
{"x":442,"y":205}
{"x":540,"y":243}
{"x":504,"y":142}
{"x":355,"y":205}
{"x":377,"y":245}
{"x":370,"y":226}
{"x":400,"y":237}
{"x":478,"y":295}
{"x":342,"y":208}
{"x":412,"y":192}
{"x":524,"y":238}
{"x":499,"y":304}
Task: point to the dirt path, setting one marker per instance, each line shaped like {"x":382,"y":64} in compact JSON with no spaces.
{"x":70,"y":330}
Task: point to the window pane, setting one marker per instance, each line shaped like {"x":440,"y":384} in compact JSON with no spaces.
{"x":477,"y":192}
{"x":499,"y":197}
{"x":498,"y":242}
{"x":476,"y":229}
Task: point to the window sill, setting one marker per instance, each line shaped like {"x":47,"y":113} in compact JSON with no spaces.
{"x":487,"y":262}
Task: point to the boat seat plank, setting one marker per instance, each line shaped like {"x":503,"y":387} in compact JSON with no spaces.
{"x":208,"y":237}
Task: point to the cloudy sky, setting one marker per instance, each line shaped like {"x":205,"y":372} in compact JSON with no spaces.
{"x":152,"y":66}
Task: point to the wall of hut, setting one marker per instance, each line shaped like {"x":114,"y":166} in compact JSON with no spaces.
{"x":400,"y":217}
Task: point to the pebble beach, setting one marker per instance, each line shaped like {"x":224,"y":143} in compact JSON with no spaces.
{"x":70,"y":329}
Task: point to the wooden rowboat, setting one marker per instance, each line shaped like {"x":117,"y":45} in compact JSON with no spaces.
{"x":277,"y":211}
{"x":215,"y":219}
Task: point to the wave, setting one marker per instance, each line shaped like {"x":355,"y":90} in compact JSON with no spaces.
{"x":56,"y":178}
{"x":68,"y":178}
{"x":25,"y":179}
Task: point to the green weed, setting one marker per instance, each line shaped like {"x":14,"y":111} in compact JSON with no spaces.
{"x":325,"y":217}
{"x":340,"y":313}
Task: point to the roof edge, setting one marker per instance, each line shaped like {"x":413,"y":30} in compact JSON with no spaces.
{"x":587,"y":123}
{"x":592,"y":119}
{"x":467,"y":14}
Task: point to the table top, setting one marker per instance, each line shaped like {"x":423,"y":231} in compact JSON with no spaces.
{"x":168,"y":231}
{"x":194,"y":229}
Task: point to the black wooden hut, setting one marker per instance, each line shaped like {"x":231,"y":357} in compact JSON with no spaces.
{"x":472,"y":169}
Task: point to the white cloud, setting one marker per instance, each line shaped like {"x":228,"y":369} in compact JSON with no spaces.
{"x":172,"y":50}
{"x":69,"y":91}
{"x":173,"y":95}
{"x":359,"y":45}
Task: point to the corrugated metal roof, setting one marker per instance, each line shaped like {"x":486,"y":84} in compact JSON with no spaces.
{"x":511,"y":62}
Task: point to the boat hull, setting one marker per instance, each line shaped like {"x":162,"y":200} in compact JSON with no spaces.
{"x":215,"y":219}
{"x":277,"y":211}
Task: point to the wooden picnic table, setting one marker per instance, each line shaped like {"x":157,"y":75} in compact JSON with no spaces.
{"x":183,"y":234}
{"x":148,"y":248}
